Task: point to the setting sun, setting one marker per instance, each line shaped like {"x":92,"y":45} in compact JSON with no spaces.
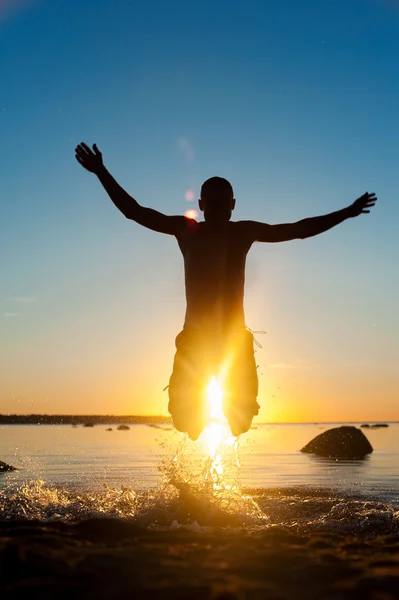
{"x":215,"y":401}
{"x":218,"y":431}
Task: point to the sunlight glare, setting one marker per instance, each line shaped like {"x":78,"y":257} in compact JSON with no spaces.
{"x":191,"y":214}
{"x":214,"y":393}
{"x":217,"y":431}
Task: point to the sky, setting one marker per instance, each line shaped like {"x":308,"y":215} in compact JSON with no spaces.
{"x":295,"y":103}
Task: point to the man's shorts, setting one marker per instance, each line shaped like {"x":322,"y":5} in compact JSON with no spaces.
{"x":231,"y":360}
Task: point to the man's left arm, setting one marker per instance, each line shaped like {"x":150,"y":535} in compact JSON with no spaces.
{"x":263,"y":232}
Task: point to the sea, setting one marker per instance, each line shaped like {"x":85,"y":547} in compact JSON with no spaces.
{"x":158,"y":477}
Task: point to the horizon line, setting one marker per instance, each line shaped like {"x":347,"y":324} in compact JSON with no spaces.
{"x":169,"y":418}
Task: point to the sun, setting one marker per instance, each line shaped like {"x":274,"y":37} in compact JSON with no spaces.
{"x":214,"y":394}
{"x":217,"y":432}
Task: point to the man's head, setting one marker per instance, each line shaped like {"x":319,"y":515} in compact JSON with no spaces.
{"x":217,"y":199}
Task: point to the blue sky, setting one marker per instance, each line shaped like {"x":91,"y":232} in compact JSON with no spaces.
{"x":295,"y":103}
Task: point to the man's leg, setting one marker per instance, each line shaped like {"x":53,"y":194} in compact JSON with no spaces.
{"x":187,"y":398}
{"x":241,"y":383}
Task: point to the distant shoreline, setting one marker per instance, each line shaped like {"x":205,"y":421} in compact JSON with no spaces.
{"x":134,"y":420}
{"x":81,"y":419}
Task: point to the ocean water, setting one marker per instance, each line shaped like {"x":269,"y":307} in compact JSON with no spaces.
{"x":159,"y":477}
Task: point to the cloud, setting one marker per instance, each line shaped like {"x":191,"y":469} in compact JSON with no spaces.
{"x":12,"y":314}
{"x":299,"y":364}
{"x":24,"y":299}
{"x":186,"y":149}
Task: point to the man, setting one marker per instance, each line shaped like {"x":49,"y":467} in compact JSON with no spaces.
{"x":214,"y":340}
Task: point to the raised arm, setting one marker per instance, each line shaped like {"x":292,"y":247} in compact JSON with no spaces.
{"x":92,"y":161}
{"x":262,"y":232}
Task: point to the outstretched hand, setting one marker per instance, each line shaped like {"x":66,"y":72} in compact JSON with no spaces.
{"x":92,"y":160}
{"x":362,"y":204}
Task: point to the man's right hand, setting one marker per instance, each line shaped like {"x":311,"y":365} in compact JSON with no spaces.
{"x":92,"y":160}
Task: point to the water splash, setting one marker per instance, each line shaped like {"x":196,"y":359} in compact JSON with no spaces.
{"x":208,"y":486}
{"x":182,"y":504}
{"x":195,"y":488}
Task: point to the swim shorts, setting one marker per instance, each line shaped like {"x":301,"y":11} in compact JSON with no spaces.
{"x":199,"y":356}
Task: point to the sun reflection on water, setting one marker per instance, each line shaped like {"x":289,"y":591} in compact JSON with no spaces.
{"x":216,"y":437}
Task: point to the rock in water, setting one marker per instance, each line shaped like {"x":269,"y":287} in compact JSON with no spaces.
{"x":341,"y":442}
{"x":5,"y":467}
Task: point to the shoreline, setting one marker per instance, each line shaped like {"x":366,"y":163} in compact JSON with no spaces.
{"x":83,"y":419}
{"x":43,"y":419}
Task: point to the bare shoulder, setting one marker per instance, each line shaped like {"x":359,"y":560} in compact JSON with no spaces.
{"x":246,"y":231}
{"x":180,"y":223}
{"x":185,"y":227}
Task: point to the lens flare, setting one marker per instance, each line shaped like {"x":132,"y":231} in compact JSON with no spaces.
{"x":189,"y":195}
{"x":191,"y":214}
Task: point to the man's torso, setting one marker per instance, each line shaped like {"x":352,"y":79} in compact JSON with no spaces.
{"x":214,"y":264}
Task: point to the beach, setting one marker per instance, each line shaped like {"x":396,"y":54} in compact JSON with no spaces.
{"x":108,"y":558}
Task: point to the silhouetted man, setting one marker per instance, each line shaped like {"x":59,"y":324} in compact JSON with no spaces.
{"x":214,"y":340}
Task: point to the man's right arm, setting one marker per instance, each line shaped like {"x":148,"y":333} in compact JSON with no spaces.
{"x":152,"y":219}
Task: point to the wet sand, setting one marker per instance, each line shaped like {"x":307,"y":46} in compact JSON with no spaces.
{"x":115,"y":558}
